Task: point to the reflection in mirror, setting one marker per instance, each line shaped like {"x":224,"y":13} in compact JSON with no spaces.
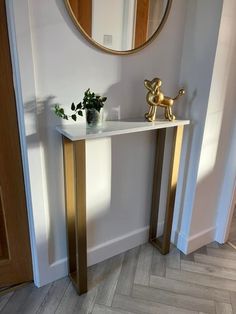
{"x":119,"y":25}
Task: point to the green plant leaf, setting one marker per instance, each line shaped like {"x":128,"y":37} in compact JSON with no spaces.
{"x":79,"y":106}
{"x":80,"y":113}
{"x":73,"y":106}
{"x":92,"y":101}
{"x":74,"y":117}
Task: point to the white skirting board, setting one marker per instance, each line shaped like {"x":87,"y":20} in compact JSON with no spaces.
{"x":190,"y":244}
{"x":118,"y":245}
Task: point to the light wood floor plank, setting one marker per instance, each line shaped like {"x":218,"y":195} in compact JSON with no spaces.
{"x":54,"y":296}
{"x":191,"y":289}
{"x":144,"y":265}
{"x":173,"y":259}
{"x":226,"y":247}
{"x":88,"y":302}
{"x":4,"y":299}
{"x":216,"y":261}
{"x":139,"y":306}
{"x":202,"y":250}
{"x":223,"y":308}
{"x":96,"y":275}
{"x":201,"y":279}
{"x":173,"y":299}
{"x":158,"y":266}
{"x":101,"y":309}
{"x":188,"y":257}
{"x":34,"y":300}
{"x":210,"y":270}
{"x":233,"y":301}
{"x":222,"y":253}
{"x":20,"y":296}
{"x":126,"y":278}
{"x":70,"y":302}
{"x":107,"y":288}
{"x":214,"y":245}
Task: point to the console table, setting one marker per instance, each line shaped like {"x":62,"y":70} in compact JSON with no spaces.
{"x":74,"y":148}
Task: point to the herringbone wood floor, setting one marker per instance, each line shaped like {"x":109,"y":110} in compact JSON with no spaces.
{"x":141,"y":281}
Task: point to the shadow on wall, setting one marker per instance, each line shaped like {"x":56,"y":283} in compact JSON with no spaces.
{"x":43,"y":133}
{"x":120,"y":110}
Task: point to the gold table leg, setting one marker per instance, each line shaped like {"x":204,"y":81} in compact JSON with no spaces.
{"x":75,"y":192}
{"x":163,"y":243}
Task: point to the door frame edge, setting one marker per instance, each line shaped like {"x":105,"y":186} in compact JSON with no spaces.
{"x":22,"y":136}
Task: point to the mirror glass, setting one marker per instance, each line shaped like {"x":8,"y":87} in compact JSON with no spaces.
{"x":119,"y":26}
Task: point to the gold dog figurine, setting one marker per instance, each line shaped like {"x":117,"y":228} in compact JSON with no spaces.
{"x":155,"y":98}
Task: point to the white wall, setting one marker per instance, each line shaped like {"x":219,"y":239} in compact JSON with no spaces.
{"x":223,"y":105}
{"x":56,"y":66}
{"x":210,"y":177}
{"x":196,"y":225}
{"x":213,"y":157}
{"x":217,"y":168}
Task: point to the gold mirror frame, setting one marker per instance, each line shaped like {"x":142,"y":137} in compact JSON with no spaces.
{"x":117,"y":52}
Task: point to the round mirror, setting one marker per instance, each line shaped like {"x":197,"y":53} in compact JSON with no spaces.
{"x":119,"y":26}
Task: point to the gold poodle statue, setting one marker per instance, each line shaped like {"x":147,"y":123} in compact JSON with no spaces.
{"x":155,"y":98}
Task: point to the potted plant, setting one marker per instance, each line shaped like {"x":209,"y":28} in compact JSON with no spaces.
{"x":91,"y":103}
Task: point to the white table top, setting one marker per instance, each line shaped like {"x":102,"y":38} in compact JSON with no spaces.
{"x":76,"y":132}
